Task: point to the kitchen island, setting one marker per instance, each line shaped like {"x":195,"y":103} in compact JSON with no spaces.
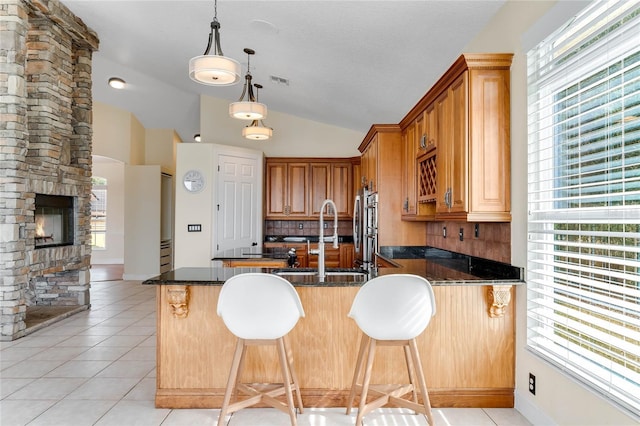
{"x":467,"y":350}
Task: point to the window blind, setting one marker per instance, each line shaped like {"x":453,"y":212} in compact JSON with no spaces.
{"x":583,"y":261}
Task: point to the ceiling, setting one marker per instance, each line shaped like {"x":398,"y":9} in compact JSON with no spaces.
{"x":349,"y":63}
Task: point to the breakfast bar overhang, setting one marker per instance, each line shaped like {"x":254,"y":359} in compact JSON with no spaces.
{"x":467,"y":351}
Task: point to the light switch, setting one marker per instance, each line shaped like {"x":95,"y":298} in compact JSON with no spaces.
{"x":194,"y":228}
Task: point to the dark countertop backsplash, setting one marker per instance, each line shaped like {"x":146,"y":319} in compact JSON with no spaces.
{"x":457,"y":261}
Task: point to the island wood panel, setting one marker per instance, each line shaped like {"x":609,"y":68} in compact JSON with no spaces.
{"x":467,"y":356}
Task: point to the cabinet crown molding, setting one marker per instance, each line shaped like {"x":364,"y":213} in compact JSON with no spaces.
{"x":466,"y":61}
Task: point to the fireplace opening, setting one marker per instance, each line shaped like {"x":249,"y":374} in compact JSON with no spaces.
{"x":54,"y":220}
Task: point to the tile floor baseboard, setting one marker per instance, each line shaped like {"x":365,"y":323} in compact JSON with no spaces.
{"x":97,"y":367}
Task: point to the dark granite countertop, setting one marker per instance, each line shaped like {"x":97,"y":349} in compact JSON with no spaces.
{"x":440,"y":267}
{"x":255,"y":252}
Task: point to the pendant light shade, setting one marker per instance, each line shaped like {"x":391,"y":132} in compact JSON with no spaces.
{"x":215,"y":69}
{"x":257,"y":131}
{"x":249,"y":109}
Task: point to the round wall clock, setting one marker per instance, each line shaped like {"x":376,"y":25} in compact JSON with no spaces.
{"x":193,"y":181}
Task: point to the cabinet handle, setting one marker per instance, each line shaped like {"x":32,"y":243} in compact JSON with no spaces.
{"x":406,"y":205}
{"x":423,"y":141}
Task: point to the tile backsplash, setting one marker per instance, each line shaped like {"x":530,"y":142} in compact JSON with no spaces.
{"x":309,"y":227}
{"x":493,"y":241}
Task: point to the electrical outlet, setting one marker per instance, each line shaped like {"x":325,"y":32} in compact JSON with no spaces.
{"x":476,"y":230}
{"x":461,"y":234}
{"x":532,"y":383}
{"x":300,"y":225}
{"x":444,"y":232}
{"x":325,"y":225}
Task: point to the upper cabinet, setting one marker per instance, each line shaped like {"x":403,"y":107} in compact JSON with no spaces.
{"x":286,"y":189}
{"x":463,"y":167}
{"x":382,"y":171}
{"x":295,"y":188}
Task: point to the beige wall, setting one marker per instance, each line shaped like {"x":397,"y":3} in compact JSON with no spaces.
{"x":558,"y":399}
{"x":113,"y":171}
{"x":194,"y":248}
{"x":293,"y":136}
{"x":111,"y":132}
{"x":135,"y":157}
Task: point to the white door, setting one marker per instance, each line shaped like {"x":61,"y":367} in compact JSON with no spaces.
{"x":238,"y":208}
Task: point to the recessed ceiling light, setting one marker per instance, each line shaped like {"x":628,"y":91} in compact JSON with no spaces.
{"x":117,"y":83}
{"x":196,"y":137}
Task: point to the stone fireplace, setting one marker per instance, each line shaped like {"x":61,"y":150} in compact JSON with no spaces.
{"x":45,"y":181}
{"x":54,"y":219}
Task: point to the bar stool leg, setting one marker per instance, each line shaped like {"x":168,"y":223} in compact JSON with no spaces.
{"x":365,"y":382}
{"x":423,"y":385}
{"x":292,"y":371}
{"x":233,"y":375}
{"x":364,"y":341}
{"x":284,"y":365}
{"x":410,"y":371}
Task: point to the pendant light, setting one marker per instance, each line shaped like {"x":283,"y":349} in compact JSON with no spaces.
{"x":249,"y":109}
{"x":215,"y":69}
{"x":257,"y":131}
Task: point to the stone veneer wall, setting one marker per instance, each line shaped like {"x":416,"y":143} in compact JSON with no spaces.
{"x":45,"y":93}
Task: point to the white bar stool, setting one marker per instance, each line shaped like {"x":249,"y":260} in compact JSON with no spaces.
{"x":260,"y":309}
{"x":392,"y":310}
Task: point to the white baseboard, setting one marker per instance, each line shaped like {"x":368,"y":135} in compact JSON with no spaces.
{"x":531,"y":412}
{"x":137,"y":277}
{"x":95,"y":261}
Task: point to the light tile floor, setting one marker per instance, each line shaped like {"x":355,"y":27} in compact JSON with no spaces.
{"x":97,"y":367}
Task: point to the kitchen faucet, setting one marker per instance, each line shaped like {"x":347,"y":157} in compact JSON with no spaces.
{"x":320,"y":250}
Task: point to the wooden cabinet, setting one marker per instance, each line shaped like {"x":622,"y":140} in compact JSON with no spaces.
{"x":465,"y":119}
{"x":382,"y":162}
{"x":347,"y":255}
{"x":342,"y":257}
{"x":452,"y":152}
{"x":342,"y":188}
{"x":295,"y":188}
{"x":369,"y":165}
{"x":409,"y":196}
{"x":320,"y":186}
{"x":418,"y":179}
{"x":286,"y":189}
{"x":301,"y":252}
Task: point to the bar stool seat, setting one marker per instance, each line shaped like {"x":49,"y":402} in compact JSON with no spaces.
{"x":392,"y":310}
{"x":260,"y":309}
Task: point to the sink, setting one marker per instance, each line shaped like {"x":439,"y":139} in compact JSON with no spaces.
{"x":284,"y":272}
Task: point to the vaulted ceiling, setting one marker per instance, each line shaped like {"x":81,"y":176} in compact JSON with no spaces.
{"x":347,"y":63}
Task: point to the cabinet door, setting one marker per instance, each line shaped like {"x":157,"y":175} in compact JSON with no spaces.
{"x":444,"y":154}
{"x":342,"y":188}
{"x":420,"y":140}
{"x":297,"y":184}
{"x":460,"y":144}
{"x":370,"y":165}
{"x":319,"y":188}
{"x":276,"y":189}
{"x":453,"y":152}
{"x":347,"y":255}
{"x":409,"y":171}
{"x":431,"y":126}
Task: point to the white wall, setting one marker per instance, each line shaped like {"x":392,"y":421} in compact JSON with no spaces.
{"x":517,"y":27}
{"x":195,"y":249}
{"x":113,"y":171}
{"x":142,"y":225}
{"x":292,"y":136}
